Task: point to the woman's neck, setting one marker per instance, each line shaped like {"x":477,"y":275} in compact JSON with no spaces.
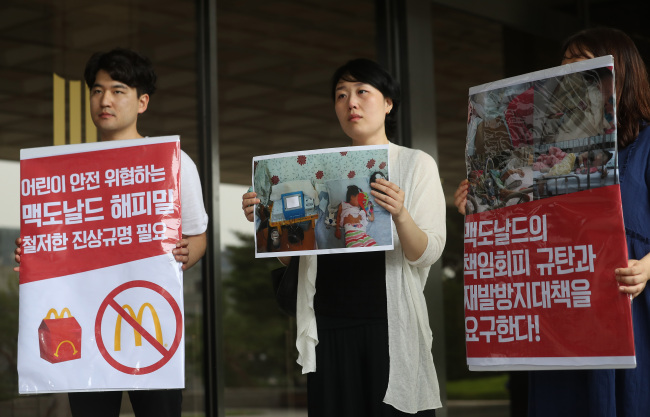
{"x":375,"y":140}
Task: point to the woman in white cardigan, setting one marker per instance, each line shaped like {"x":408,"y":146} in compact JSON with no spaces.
{"x":363,"y":329}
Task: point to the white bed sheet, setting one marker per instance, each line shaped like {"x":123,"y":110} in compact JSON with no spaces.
{"x":571,"y":183}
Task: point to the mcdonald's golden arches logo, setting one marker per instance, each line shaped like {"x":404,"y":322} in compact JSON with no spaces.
{"x":136,"y":335}
{"x":74,"y":349}
{"x":52,"y":312}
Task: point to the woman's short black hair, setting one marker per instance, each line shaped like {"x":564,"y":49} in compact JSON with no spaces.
{"x":369,"y":72}
{"x":125,"y":66}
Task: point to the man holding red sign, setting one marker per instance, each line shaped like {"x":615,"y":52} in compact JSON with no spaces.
{"x":121,"y":82}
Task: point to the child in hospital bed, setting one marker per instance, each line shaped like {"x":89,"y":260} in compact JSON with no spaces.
{"x":353,"y":217}
{"x":593,"y":161}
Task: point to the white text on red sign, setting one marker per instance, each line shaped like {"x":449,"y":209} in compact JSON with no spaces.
{"x":55,"y":184}
{"x":123,"y":206}
{"x":504,"y":232}
{"x":82,"y":239}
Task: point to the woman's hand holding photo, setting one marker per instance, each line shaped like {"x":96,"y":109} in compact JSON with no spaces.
{"x":389,"y":196}
{"x":248,"y":205}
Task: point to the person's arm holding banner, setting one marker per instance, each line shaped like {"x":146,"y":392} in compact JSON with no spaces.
{"x":192,"y":246}
{"x":17,"y":253}
{"x":633,"y":279}
{"x":460,"y":196}
{"x":190,"y":249}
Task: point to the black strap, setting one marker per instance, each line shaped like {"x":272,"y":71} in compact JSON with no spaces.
{"x":285,"y":286}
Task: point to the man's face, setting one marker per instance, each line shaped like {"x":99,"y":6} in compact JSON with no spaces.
{"x":114,"y":108}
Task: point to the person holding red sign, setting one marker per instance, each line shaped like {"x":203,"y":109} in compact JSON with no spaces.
{"x":611,"y":393}
{"x":614,"y":393}
{"x":363,"y":331}
{"x":121,"y":82}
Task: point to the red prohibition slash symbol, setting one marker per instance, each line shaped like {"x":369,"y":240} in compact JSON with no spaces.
{"x":166,"y":354}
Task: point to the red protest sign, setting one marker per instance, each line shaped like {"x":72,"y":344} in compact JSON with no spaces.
{"x":95,"y":208}
{"x":544,"y":232}
{"x":540,"y":288}
{"x":97,"y":219}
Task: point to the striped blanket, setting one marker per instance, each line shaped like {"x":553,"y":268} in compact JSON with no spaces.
{"x":356,"y":236}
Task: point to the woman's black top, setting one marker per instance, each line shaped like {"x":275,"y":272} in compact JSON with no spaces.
{"x":351,"y":285}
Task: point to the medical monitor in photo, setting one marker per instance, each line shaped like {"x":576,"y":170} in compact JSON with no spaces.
{"x":292,"y":205}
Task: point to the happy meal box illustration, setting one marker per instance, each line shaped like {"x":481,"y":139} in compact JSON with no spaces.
{"x":59,"y":337}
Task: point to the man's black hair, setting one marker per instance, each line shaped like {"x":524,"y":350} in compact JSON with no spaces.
{"x":125,"y":66}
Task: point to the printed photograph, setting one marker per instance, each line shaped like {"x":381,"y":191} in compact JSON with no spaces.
{"x":320,"y":201}
{"x":550,"y":133}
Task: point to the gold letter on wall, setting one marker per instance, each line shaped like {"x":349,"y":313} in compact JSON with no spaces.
{"x":74,"y":111}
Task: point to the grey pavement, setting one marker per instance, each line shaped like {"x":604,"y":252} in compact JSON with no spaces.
{"x":57,"y":406}
{"x":454,"y":409}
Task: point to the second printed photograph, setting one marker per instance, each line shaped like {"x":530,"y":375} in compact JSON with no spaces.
{"x":319,"y":201}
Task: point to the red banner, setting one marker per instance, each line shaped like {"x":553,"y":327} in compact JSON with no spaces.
{"x":540,"y":287}
{"x":89,"y":210}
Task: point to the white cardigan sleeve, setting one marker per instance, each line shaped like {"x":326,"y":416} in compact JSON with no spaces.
{"x":426,"y":205}
{"x":412,"y":382}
